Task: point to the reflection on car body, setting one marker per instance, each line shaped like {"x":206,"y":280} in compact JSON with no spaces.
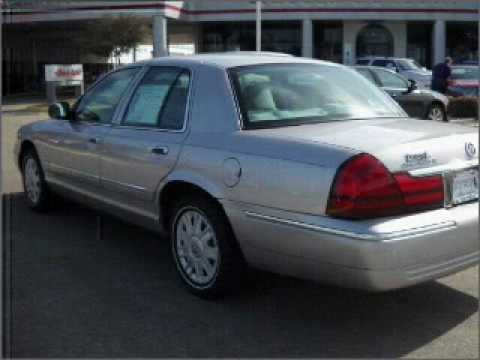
{"x":291,"y":165}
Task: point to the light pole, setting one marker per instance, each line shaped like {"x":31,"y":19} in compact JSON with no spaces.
{"x":258,"y":20}
{"x":2,"y":239}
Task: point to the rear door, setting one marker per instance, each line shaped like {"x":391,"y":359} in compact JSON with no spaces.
{"x":144,"y":146}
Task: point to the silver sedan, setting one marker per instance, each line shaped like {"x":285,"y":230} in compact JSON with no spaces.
{"x":290,"y":165}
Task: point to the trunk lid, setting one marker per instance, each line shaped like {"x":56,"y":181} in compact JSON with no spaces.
{"x":401,"y":144}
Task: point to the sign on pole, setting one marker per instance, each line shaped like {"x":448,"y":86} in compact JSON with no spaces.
{"x":63,"y":75}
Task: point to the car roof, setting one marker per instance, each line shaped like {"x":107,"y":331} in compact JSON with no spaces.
{"x":234,"y":59}
{"x":382,"y":68}
{"x":383,"y":58}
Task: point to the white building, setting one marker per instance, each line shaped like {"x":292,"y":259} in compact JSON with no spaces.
{"x":336,"y":30}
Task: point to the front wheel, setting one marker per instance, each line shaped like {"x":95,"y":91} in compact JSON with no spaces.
{"x":203,"y":246}
{"x":437,"y":113}
{"x":34,"y":184}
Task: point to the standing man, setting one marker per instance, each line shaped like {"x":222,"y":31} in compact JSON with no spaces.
{"x":440,"y":74}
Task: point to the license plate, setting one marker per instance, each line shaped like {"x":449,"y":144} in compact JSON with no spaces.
{"x":465,"y":187}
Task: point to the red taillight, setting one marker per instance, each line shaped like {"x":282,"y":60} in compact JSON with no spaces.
{"x":364,"y":188}
{"x":423,"y":192}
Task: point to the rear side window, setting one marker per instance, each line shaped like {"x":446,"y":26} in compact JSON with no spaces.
{"x":367,"y":74}
{"x":160,"y":99}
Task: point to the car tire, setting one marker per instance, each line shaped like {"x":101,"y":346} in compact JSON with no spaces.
{"x":204,"y":248}
{"x":35,"y":188}
{"x":437,"y":112}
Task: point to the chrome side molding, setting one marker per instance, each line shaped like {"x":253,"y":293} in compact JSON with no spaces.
{"x":391,"y":236}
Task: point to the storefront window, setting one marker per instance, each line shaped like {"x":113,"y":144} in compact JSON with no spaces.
{"x":283,"y":37}
{"x":328,"y":40}
{"x":374,"y":40}
{"x":462,"y":42}
{"x":419,"y":42}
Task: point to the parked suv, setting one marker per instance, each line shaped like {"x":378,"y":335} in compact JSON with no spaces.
{"x":407,"y":67}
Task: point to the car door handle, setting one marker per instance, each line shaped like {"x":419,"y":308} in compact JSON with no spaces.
{"x":94,"y":140}
{"x":159,"y":150}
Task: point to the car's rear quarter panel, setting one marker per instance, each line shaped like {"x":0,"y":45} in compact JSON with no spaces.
{"x":275,"y":173}
{"x":277,"y":176}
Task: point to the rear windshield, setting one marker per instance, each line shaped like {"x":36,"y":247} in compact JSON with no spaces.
{"x":292,"y":94}
{"x":466,"y":73}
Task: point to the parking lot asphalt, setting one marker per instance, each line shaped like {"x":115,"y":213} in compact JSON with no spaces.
{"x":75,"y":291}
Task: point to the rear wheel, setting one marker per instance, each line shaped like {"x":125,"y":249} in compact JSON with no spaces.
{"x":35,"y":187}
{"x":203,"y":246}
{"x":437,"y":113}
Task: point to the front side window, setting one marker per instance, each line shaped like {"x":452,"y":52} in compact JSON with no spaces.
{"x":293,"y":94}
{"x":160,"y":99}
{"x":391,"y":80}
{"x":100,"y":103}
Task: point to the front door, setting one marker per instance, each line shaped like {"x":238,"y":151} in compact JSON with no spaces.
{"x":144,"y":146}
{"x":78,"y":146}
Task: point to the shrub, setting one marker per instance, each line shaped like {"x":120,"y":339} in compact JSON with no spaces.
{"x":463,"y":107}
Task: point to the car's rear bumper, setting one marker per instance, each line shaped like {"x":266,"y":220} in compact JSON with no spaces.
{"x":378,"y":254}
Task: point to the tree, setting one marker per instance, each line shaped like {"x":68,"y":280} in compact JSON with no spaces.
{"x":113,"y":35}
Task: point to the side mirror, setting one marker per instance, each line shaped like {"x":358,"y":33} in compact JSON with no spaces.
{"x":412,"y":85}
{"x":59,"y":110}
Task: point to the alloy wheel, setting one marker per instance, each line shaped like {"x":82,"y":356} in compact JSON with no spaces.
{"x":436,"y":114}
{"x":32,"y":180}
{"x":196,"y":247}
